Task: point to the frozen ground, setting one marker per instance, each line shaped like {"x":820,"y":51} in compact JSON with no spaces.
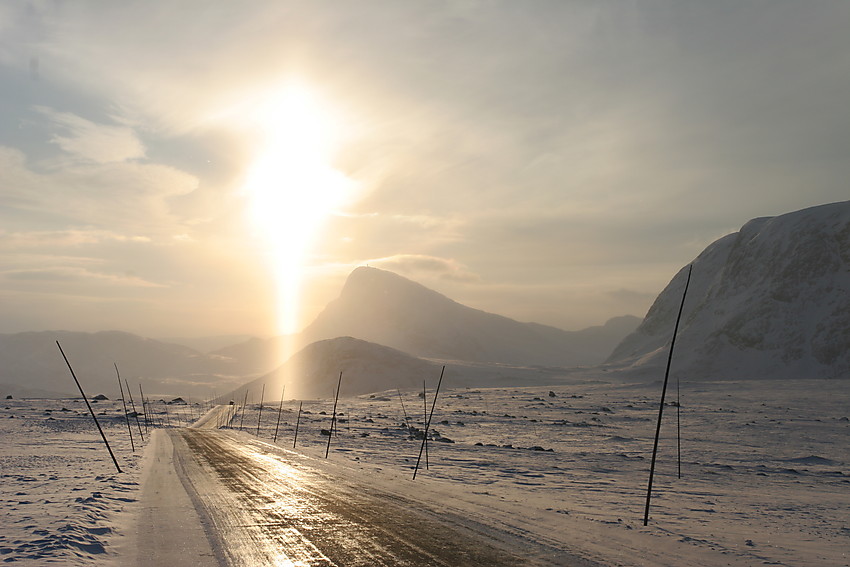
{"x":766,"y":469}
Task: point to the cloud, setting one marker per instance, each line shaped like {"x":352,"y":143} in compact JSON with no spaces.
{"x":585,"y":146}
{"x":114,"y":196}
{"x":89,"y":142}
{"x":444,"y":268}
{"x":78,"y":275}
{"x":56,"y":239}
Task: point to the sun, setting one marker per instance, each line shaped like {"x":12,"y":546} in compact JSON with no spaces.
{"x":292,"y":186}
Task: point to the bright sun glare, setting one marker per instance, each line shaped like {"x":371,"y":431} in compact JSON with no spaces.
{"x":293,"y":187}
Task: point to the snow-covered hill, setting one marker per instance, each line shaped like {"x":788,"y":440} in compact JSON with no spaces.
{"x":769,"y":301}
{"x":367,"y":367}
{"x":385,"y":308}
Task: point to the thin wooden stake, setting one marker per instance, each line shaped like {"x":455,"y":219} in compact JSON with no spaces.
{"x":124,"y":403}
{"x":167,"y":419}
{"x":133,"y":405}
{"x":244,"y":407}
{"x":297,"y":423}
{"x":428,"y":423}
{"x":406,"y":419}
{"x":333,"y":419}
{"x":144,"y":409}
{"x":425,"y":421}
{"x":663,"y":394}
{"x":91,"y":411}
{"x":678,"y":428}
{"x":279,"y":410}
{"x":260,"y":413}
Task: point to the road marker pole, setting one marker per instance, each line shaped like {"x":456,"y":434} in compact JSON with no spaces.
{"x":333,"y":419}
{"x":428,"y":423}
{"x":297,"y":423}
{"x":663,"y":394}
{"x":124,"y":403}
{"x":91,"y":411}
{"x":279,"y":410}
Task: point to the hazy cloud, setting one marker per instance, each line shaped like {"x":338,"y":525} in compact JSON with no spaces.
{"x":87,"y":141}
{"x":417,"y":265}
{"x":57,"y":239}
{"x":128,"y":195}
{"x":78,"y":275}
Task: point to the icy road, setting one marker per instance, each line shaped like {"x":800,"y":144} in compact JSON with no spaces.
{"x":260,"y":504}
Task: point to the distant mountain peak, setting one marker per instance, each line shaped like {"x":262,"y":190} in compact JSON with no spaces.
{"x":370,"y":283}
{"x":385,"y":308}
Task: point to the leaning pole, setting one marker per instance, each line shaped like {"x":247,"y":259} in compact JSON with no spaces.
{"x":663,"y":394}
{"x":91,"y":411}
{"x":428,"y":423}
{"x":333,"y":419}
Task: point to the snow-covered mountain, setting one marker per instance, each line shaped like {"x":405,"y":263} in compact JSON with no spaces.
{"x":388,"y":309}
{"x":367,"y":367}
{"x":769,"y":301}
{"x":32,"y":360}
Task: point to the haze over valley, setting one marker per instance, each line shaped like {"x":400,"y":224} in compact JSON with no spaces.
{"x":765,"y":302}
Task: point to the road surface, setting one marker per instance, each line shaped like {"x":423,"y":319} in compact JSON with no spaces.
{"x":260,"y":504}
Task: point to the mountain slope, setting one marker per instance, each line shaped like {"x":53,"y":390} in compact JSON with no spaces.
{"x":770,"y":301}
{"x":367,"y":367}
{"x":385,"y":308}
{"x":33,"y":360}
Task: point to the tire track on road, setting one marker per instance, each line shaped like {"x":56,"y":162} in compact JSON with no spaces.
{"x":269,"y":509}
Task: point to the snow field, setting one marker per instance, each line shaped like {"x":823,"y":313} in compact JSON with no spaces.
{"x":766,"y":465}
{"x":766,"y":468}
{"x":61,"y":497}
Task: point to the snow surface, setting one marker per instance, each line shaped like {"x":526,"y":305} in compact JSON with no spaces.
{"x":766,"y":469}
{"x":62,"y":500}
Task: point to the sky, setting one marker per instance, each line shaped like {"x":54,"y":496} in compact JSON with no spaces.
{"x":198,"y":169}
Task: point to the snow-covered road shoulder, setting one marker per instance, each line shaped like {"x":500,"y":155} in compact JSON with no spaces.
{"x":164,"y":527}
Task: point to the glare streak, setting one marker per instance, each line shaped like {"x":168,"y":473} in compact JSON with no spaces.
{"x":293,"y":188}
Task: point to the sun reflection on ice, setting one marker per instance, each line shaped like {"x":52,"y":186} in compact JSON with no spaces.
{"x":284,"y":561}
{"x":287,"y":506}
